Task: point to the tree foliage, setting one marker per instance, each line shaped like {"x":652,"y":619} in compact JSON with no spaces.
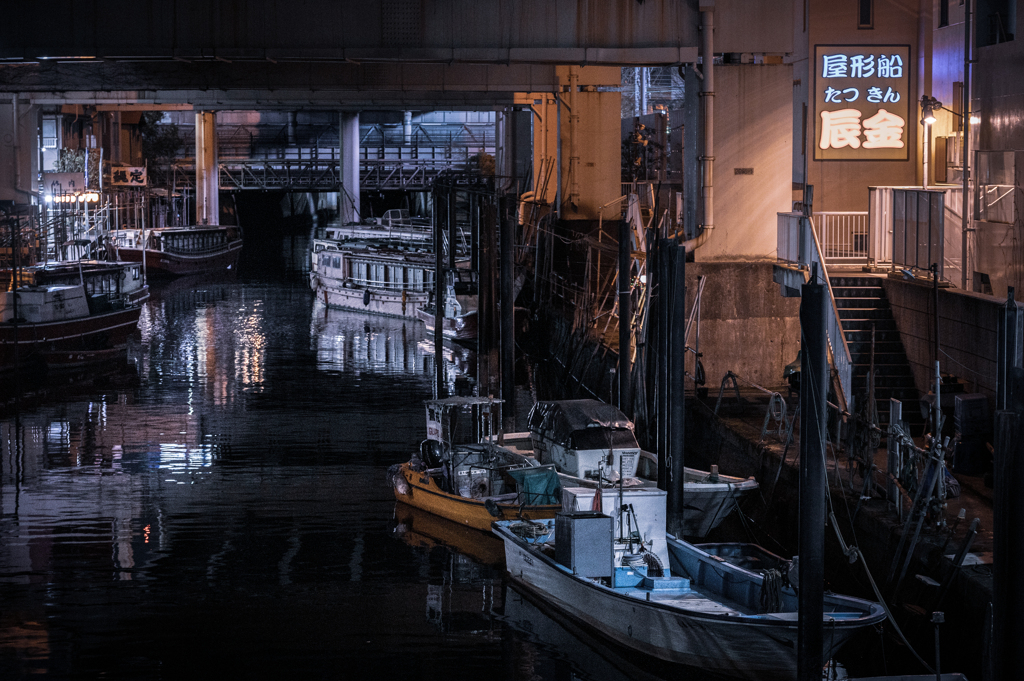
{"x":160,"y":143}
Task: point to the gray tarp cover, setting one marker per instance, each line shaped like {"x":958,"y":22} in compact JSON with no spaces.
{"x":558,"y":420}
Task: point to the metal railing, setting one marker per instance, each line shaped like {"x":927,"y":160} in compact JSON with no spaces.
{"x":798,"y":244}
{"x":843,"y":237}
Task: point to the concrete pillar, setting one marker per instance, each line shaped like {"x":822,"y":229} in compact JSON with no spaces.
{"x":348,"y":137}
{"x":207,"y":169}
{"x":19,"y":150}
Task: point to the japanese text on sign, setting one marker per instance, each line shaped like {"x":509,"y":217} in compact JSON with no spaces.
{"x":130,"y":177}
{"x":862,"y":98}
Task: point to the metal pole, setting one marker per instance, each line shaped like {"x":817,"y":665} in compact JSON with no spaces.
{"x":625,"y":318}
{"x":813,"y":391}
{"x":675,"y":387}
{"x":1007,"y":544}
{"x":661,"y":286}
{"x":935,"y":292}
{"x":438,"y":296}
{"x":965,"y":219}
{"x":506,"y":307}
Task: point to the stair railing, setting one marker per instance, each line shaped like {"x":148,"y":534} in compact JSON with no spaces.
{"x":799,"y":244}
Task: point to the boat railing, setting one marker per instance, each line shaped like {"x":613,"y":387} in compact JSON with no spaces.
{"x":397,"y":286}
{"x":194,"y":250}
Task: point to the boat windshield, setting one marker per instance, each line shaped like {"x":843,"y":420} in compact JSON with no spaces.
{"x":602,"y":438}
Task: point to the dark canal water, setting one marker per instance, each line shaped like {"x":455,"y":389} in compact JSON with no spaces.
{"x":218,"y":509}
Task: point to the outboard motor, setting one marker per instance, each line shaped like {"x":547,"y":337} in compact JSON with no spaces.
{"x":432,"y":453}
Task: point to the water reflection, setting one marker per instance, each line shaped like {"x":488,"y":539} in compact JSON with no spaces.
{"x":228,"y":514}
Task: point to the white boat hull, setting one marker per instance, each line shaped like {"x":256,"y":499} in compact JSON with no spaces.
{"x":695,"y":631}
{"x":376,"y":301}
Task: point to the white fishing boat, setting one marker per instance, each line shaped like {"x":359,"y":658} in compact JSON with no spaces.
{"x":622,"y":576}
{"x":371,"y":276}
{"x":592,"y":445}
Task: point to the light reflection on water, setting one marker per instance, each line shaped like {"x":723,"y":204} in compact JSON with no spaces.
{"x":228,"y":516}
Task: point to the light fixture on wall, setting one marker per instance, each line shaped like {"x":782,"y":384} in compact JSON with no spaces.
{"x":929,"y":105}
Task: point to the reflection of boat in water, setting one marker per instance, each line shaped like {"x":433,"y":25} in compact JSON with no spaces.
{"x":420,"y":528}
{"x":177,"y":251}
{"x":348,"y":340}
{"x":588,"y":440}
{"x":590,"y":656}
{"x":693,"y":609}
{"x":462,"y":475}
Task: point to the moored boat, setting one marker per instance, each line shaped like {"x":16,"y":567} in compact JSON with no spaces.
{"x":461,"y":474}
{"x":371,"y":276}
{"x":178,"y":251}
{"x":693,"y":609}
{"x":592,"y":444}
{"x":62,"y":324}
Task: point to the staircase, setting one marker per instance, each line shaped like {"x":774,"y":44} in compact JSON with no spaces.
{"x":862,"y":304}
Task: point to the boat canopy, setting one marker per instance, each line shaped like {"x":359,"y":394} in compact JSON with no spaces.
{"x":582,"y":424}
{"x":537,"y":485}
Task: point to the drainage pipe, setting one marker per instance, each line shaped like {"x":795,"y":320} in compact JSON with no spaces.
{"x":707,"y":94}
{"x":965,"y":112}
{"x":17,"y":144}
{"x":574,"y":124}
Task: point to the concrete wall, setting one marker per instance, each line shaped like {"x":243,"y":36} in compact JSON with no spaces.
{"x":967,"y":333}
{"x":18,"y":166}
{"x":753,"y":131}
{"x":746,"y":326}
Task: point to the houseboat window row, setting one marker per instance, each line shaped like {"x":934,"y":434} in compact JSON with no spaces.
{"x":193,"y":243}
{"x":369,"y":273}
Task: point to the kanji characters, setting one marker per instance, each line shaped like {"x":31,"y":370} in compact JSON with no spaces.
{"x":840,"y":128}
{"x":884,"y":130}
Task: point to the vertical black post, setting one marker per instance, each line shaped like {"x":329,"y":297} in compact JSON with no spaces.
{"x":506,"y":305}
{"x":625,"y":318}
{"x":676,"y":384}
{"x":1008,"y":350}
{"x":935,"y":297}
{"x":813,"y":391}
{"x":452,"y":226}
{"x":474,"y":231}
{"x":1007,"y":545}
{"x":487,"y":306}
{"x":662,"y":287}
{"x":438,"y":293}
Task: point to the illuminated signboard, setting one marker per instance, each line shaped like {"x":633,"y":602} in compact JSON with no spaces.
{"x":863,"y":107}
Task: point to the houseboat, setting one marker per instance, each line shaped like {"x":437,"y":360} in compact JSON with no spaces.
{"x":178,"y":251}
{"x":371,"y":276}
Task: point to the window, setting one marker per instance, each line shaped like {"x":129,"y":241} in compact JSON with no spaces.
{"x":865,"y":14}
{"x":996,"y":21}
{"x":943,"y":13}
{"x":49,"y":132}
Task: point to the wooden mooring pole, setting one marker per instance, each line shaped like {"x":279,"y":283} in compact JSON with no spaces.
{"x":814,"y":376}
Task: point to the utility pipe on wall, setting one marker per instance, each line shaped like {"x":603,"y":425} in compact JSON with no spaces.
{"x":707,"y":93}
{"x":17,"y":144}
{"x":965,"y":110}
{"x":574,"y":121}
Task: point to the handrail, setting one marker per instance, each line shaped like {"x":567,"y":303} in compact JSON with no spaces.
{"x":842,"y":361}
{"x":810,"y":260}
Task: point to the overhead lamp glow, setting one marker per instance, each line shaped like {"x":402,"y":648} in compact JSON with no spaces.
{"x":928,"y":107}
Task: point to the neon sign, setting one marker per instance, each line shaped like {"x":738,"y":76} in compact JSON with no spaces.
{"x":862,"y":102}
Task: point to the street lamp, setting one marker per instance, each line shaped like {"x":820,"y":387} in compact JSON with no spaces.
{"x":928,"y":107}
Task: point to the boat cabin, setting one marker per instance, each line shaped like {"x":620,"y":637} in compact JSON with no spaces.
{"x":585,"y":439}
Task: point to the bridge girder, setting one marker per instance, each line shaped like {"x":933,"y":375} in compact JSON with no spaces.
{"x":420,"y":54}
